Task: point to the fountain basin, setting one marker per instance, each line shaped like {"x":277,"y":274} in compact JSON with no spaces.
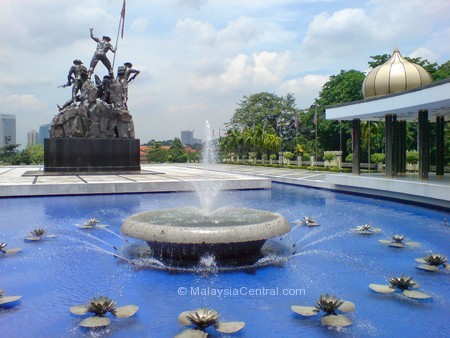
{"x":188,"y":233}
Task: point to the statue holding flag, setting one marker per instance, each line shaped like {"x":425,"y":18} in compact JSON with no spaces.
{"x":103,"y":46}
{"x":94,"y":128}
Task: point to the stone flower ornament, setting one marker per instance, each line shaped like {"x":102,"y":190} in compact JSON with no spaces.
{"x":203,"y":318}
{"x":331,"y":306}
{"x":4,"y":252}
{"x":432,"y":262}
{"x":397,"y":241}
{"x":7,"y":300}
{"x":38,"y":234}
{"x":365,"y":229}
{"x":403,"y":284}
{"x":93,"y":223}
{"x":100,"y":307}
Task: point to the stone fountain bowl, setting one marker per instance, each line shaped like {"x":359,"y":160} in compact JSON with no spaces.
{"x":187,"y":233}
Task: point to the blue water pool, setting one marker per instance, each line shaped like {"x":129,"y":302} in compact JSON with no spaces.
{"x":56,"y":273}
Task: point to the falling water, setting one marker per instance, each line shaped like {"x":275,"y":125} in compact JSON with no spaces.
{"x":98,"y":239}
{"x":115,"y":234}
{"x":326,"y":238}
{"x":98,"y":249}
{"x":207,"y":265}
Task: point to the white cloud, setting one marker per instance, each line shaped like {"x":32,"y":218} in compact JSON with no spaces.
{"x":198,"y":58}
{"x":19,"y":103}
{"x":196,"y":4}
{"x":305,"y":88}
{"x":424,"y":53}
{"x":348,"y":36}
{"x":191,"y":31}
{"x":139,"y":25}
{"x":270,"y":67}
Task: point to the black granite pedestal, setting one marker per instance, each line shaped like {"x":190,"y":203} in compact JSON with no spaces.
{"x":91,"y":155}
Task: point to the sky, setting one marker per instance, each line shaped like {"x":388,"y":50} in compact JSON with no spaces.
{"x":199,"y":58}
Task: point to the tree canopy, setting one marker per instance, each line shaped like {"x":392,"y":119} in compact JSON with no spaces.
{"x":264,"y":109}
{"x":266,"y":123}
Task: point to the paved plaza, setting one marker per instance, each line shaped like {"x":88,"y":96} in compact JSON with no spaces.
{"x":16,"y":181}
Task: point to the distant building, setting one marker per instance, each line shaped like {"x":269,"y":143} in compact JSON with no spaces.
{"x":43,"y":133}
{"x":187,"y":137}
{"x":7,"y":129}
{"x":32,"y":137}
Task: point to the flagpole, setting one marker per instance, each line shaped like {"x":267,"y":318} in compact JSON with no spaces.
{"x":121,"y":23}
{"x":117,"y":41}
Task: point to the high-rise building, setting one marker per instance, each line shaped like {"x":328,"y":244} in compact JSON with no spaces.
{"x":187,"y":137}
{"x":44,"y":133}
{"x":7,"y":129}
{"x":32,"y":137}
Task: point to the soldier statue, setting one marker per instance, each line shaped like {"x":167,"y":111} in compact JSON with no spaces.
{"x":103,"y":46}
{"x":78,"y":74}
{"x":126,"y":74}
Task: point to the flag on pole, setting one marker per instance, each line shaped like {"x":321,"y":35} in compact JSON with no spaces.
{"x":122,"y":17}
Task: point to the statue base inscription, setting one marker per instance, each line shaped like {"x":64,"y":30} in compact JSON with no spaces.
{"x":91,"y":155}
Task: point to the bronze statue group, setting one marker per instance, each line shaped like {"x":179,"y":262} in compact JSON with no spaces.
{"x":96,"y":110}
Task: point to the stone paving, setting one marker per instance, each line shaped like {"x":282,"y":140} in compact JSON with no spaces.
{"x":32,"y":181}
{"x":18,"y":181}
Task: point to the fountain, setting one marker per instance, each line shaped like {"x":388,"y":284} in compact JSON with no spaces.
{"x":190,"y":233}
{"x":55,"y":274}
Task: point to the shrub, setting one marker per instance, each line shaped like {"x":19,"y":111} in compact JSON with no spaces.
{"x":412,"y":156}
{"x":288,"y":155}
{"x":328,"y":157}
{"x":349,"y":158}
{"x":377,"y":158}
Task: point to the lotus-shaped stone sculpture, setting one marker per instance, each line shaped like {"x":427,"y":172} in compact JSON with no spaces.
{"x":331,"y":306}
{"x":100,"y":306}
{"x":310,"y":222}
{"x":397,"y":241}
{"x":365,"y":229}
{"x":92,"y":223}
{"x":4,"y":251}
{"x":38,"y":234}
{"x":203,"y":318}
{"x":7,"y":300}
{"x":403,"y":284}
{"x":432,"y":262}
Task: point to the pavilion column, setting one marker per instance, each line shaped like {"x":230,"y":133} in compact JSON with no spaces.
{"x":440,"y":126}
{"x":391,"y":145}
{"x":401,"y":153}
{"x":356,"y":165}
{"x":424,"y":144}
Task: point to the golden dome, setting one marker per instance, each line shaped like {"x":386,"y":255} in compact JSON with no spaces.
{"x":396,"y":75}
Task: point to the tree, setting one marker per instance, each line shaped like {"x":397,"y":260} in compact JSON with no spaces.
{"x":158,"y":154}
{"x":8,"y":153}
{"x":442,"y":72}
{"x":33,"y":154}
{"x":176,"y":151}
{"x":265,"y":110}
{"x":342,"y":88}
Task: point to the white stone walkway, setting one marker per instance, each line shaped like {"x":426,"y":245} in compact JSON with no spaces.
{"x":31,"y":181}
